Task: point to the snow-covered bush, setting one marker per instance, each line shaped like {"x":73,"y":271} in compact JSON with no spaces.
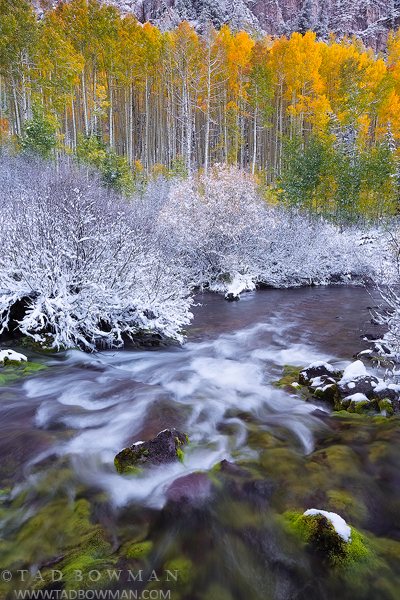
{"x":220,"y":225}
{"x":388,"y":315}
{"x":231,"y":239}
{"x":88,"y":266}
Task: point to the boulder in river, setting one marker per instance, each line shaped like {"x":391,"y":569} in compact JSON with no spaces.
{"x":329,"y":536}
{"x":165,"y":448}
{"x":317,"y":369}
{"x":190,"y":489}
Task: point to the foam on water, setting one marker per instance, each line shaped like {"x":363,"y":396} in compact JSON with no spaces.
{"x":109,"y":398}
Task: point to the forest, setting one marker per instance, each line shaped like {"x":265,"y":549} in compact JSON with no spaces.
{"x":317,"y":122}
{"x":139,"y":166}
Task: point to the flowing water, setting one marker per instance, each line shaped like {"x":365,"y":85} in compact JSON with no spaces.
{"x":221,"y":529}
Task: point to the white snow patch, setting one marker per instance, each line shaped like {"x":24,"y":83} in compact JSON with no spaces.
{"x":11,"y":355}
{"x":355,"y":369}
{"x":240,"y":284}
{"x":339,"y":524}
{"x":382,"y":385}
{"x":357,"y":398}
{"x":321,"y":363}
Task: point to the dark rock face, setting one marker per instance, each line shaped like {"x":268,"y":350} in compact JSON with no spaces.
{"x":322,"y":370}
{"x":371,"y":21}
{"x":364,"y":384}
{"x":164,"y":448}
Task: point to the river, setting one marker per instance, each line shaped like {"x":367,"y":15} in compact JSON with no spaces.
{"x":227,"y":539}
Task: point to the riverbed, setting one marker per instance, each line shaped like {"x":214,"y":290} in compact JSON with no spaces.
{"x":222,"y":529}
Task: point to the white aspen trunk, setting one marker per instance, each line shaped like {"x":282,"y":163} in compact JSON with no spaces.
{"x":1,"y":102}
{"x":146,"y":133}
{"x":24,"y":115}
{"x":85,"y":106}
{"x":73,"y":123}
{"x":225,"y":132}
{"x":253,"y":165}
{"x":189,"y":136}
{"x":93,"y":124}
{"x":111,"y":115}
{"x":16,"y":108}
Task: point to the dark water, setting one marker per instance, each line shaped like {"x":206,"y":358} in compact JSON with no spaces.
{"x":61,"y":429}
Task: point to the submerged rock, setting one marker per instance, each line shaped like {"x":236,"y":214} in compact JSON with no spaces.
{"x":190,"y":488}
{"x":165,"y":448}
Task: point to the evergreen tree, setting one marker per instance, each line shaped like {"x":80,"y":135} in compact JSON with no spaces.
{"x":305,"y":22}
{"x":322,"y":26}
{"x":39,"y":133}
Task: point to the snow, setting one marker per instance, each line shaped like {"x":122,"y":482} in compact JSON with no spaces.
{"x":339,"y":524}
{"x":320,"y":381}
{"x":321,"y":363}
{"x":354,"y":370}
{"x":357,"y":398}
{"x":239,"y":284}
{"x":382,"y":385}
{"x":11,"y":355}
{"x":96,"y":269}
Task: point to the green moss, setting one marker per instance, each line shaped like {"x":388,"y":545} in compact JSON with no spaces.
{"x":43,"y":347}
{"x":4,"y":495}
{"x":182,"y":567}
{"x":217,"y":592}
{"x":33,"y":367}
{"x":347,"y":505}
{"x":12,"y":370}
{"x":386,"y":405}
{"x":125,"y":460}
{"x":140,"y":550}
{"x":290,"y":375}
{"x":319,"y":533}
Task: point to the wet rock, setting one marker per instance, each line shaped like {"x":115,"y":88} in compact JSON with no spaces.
{"x":165,"y":448}
{"x":190,"y":488}
{"x":361,"y":384}
{"x":330,"y":537}
{"x":317,"y":369}
{"x":231,"y":296}
{"x":362,"y":407}
{"x":390,"y":393}
{"x":324,"y":388}
{"x":232,"y":469}
{"x":258,"y":490}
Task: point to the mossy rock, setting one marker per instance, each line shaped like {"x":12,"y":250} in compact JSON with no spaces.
{"x":12,"y":370}
{"x":385,"y":405}
{"x":290,"y":375}
{"x":327,"y":393}
{"x":140,"y":550}
{"x":165,"y":448}
{"x":363,"y":407}
{"x":318,"y":532}
{"x":43,"y":347}
{"x":182,"y":568}
{"x":347,"y":504}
